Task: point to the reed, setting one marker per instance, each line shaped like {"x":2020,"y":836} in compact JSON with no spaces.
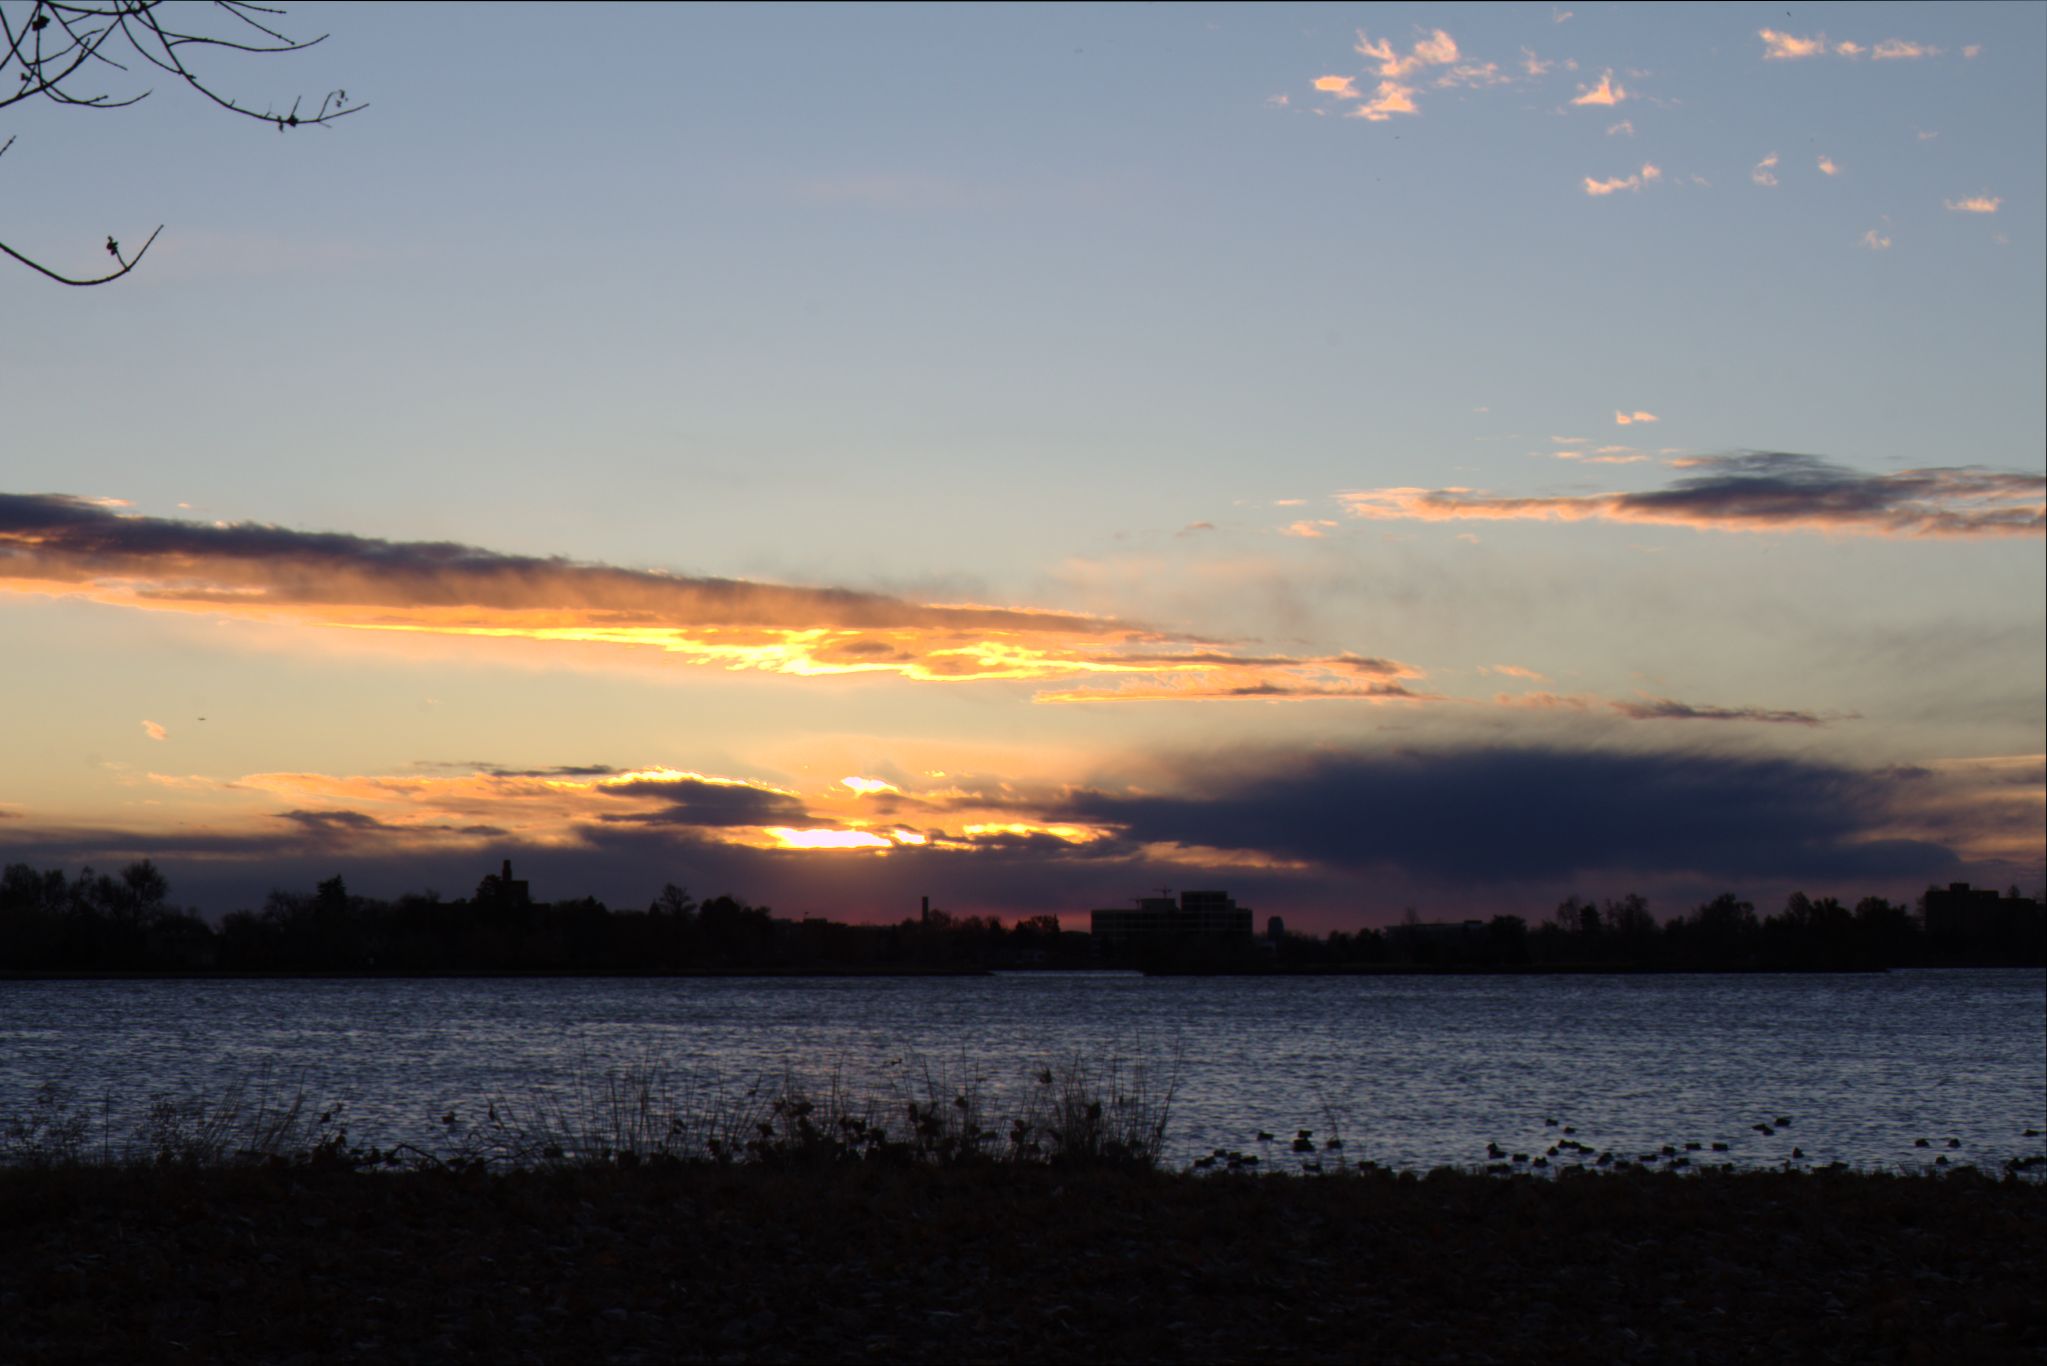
{"x":1082,"y":1111}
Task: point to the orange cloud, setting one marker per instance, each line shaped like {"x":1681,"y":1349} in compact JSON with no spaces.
{"x":1982,"y":203}
{"x":1622,"y":419}
{"x":1874,"y":241}
{"x":1435,"y":49}
{"x":1605,"y":93}
{"x":1761,"y":491}
{"x":1512,"y":671}
{"x":154,"y":731}
{"x":1827,"y":166}
{"x":472,"y":807}
{"x":1788,"y":47}
{"x":1600,"y":188}
{"x":1765,"y":172}
{"x":1391,"y":98}
{"x":1394,"y":93}
{"x":1308,"y":530}
{"x":57,"y":546}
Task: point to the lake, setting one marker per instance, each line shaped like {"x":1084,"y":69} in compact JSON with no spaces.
{"x":1411,"y":1071}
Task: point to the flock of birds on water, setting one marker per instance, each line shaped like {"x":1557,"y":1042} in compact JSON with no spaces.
{"x":1566,"y":1150}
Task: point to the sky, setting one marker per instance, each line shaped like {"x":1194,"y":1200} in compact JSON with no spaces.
{"x":1361,"y":458}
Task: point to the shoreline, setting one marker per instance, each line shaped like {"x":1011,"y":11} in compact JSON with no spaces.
{"x":846,"y":973}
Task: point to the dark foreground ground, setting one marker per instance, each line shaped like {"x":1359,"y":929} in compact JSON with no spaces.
{"x":889,"y":1264}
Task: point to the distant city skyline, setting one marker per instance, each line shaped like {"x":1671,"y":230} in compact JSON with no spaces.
{"x":1450,"y":457}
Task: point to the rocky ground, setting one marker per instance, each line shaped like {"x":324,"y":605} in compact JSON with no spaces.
{"x":894,"y":1263}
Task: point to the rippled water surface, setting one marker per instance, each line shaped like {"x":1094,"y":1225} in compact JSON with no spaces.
{"x":1412,"y":1071}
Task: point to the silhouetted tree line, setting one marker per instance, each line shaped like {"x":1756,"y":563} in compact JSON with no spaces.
{"x":96,"y":922}
{"x":1948,"y":929}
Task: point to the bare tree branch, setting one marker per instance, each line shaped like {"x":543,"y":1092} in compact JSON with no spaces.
{"x":46,"y":47}
{"x":128,"y":263}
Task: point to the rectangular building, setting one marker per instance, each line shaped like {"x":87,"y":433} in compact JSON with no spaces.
{"x":1196,"y":915}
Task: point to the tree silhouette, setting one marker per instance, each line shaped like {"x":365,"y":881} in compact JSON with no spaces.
{"x":66,"y":51}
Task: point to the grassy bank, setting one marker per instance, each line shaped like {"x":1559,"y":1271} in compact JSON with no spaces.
{"x":900,"y":1261}
{"x":644,"y":1216}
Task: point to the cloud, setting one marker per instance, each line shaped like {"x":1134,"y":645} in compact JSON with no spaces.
{"x":1606,"y":93}
{"x":1606,"y":455}
{"x":60,"y":546}
{"x":1534,"y":65}
{"x":1394,"y":93}
{"x":1788,"y":47}
{"x":1982,"y":203}
{"x":1512,"y":671}
{"x":1624,"y":419}
{"x":1261,"y":691}
{"x":706,"y":803}
{"x":1874,"y":241}
{"x":1504,"y":814}
{"x":1355,"y":678}
{"x":1762,"y":491}
{"x":1600,"y":188}
{"x":1791,"y":47}
{"x":1972,"y":51}
{"x":328,"y":828}
{"x":1666,"y":709}
{"x":1436,"y":48}
{"x":1309,"y":529}
{"x":1285,"y":829}
{"x":1625,"y":128}
{"x":1765,"y":172}
{"x":1473,"y":74}
{"x":1827,"y":166}
{"x":1391,"y":98}
{"x":154,"y":731}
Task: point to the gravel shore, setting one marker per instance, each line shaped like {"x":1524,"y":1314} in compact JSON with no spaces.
{"x":894,"y":1263}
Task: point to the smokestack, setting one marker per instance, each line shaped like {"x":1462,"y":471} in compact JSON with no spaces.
{"x":507,"y":875}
